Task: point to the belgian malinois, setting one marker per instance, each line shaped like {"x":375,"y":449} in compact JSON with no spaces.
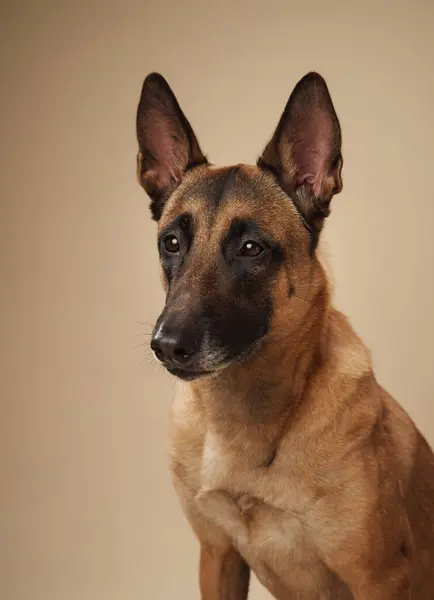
{"x":288,"y":456}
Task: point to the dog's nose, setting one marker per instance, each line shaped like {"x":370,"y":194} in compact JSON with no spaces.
{"x":171,"y":348}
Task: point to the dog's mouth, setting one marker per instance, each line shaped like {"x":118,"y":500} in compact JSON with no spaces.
{"x":190,"y":374}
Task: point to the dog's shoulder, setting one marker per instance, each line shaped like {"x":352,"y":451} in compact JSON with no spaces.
{"x":187,"y":430}
{"x":348,"y":356}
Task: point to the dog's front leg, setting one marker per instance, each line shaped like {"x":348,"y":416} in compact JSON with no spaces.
{"x":224,"y":575}
{"x":376,"y":563}
{"x":371,"y":579}
{"x":394,"y":585}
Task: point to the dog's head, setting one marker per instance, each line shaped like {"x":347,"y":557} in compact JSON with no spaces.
{"x":236,"y":244}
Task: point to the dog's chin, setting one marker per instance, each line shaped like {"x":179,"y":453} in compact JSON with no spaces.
{"x":187,"y":375}
{"x":215,"y":369}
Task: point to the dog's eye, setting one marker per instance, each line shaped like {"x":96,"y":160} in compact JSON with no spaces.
{"x":250,"y":249}
{"x":171,"y":244}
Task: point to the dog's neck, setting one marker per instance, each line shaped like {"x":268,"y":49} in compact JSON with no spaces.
{"x":263,"y":391}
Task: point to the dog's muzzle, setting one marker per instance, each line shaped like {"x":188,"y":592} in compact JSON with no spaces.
{"x":180,"y":350}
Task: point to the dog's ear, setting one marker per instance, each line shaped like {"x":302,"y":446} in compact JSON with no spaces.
{"x":167,"y":144}
{"x":305,"y":150}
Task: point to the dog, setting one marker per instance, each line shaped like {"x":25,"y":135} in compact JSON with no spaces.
{"x":289,"y":458}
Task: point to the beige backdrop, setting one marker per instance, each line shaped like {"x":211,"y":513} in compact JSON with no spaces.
{"x":87,"y":510}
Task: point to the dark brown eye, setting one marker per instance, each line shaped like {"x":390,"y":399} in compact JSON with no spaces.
{"x":171,"y":244}
{"x":250,"y":249}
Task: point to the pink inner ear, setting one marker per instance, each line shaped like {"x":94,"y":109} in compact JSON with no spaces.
{"x":311,"y":147}
{"x":167,"y":148}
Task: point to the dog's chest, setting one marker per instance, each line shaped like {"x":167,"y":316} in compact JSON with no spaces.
{"x":262,"y":502}
{"x":266,"y":513}
{"x":263,"y":511}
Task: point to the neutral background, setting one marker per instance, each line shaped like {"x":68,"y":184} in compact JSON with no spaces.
{"x":87,"y":509}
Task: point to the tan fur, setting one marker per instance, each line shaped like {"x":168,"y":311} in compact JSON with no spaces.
{"x":296,"y":461}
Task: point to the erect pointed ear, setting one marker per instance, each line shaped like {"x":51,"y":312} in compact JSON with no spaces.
{"x":305,"y":151}
{"x":167,"y":144}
